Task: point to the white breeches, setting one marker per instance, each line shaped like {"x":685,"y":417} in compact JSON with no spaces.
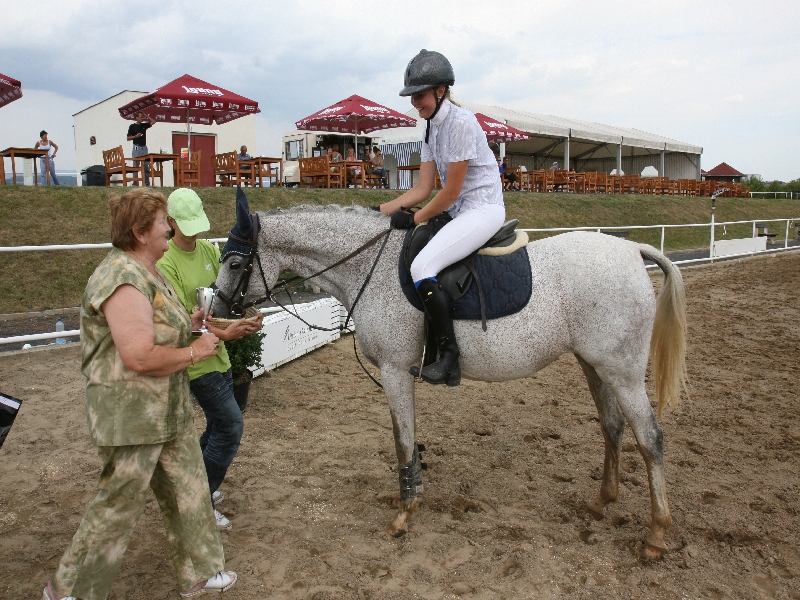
{"x":459,"y":238}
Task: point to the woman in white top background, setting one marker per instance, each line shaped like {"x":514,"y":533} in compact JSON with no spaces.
{"x":47,"y":163}
{"x":472,"y":196}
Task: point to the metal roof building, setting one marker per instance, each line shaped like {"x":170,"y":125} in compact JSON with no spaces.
{"x":580,"y":145}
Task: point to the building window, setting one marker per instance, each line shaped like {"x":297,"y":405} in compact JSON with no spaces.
{"x":294,"y":150}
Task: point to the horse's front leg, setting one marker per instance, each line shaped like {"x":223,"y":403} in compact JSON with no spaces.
{"x":399,"y":388}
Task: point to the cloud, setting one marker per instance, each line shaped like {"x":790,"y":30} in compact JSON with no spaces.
{"x":626,"y":63}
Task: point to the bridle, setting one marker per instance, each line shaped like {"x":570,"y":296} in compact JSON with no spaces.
{"x":237,"y":306}
{"x":235,"y":302}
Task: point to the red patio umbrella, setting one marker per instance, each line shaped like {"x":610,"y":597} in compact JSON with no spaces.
{"x":10,"y":90}
{"x":498,"y":132}
{"x":191,"y":100}
{"x":355,"y":115}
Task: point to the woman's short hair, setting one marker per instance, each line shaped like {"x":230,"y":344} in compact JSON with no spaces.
{"x":137,"y":210}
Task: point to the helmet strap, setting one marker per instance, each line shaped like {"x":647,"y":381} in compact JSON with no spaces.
{"x":439,"y":102}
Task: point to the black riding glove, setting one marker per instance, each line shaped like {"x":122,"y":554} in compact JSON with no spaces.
{"x":402,"y":220}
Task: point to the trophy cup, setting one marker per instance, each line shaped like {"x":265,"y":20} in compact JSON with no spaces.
{"x":205,"y":300}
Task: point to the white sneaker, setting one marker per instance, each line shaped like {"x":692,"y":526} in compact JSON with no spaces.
{"x":222,"y":521}
{"x":217,"y":497}
{"x":221,"y":582}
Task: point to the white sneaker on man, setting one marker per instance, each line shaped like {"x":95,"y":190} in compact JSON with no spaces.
{"x":222,"y":521}
{"x":217,"y":497}
{"x":221,"y":582}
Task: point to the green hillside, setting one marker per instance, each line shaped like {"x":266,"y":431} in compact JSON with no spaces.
{"x":72,"y":215}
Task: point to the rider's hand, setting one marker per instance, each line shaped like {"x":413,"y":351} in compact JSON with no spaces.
{"x":402,"y":220}
{"x":237,"y":329}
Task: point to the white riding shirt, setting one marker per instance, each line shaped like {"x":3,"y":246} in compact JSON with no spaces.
{"x":455,"y":136}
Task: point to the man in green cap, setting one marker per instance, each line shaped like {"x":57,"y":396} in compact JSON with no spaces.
{"x":190,"y":263}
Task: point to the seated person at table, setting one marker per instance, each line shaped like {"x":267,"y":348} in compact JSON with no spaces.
{"x":377,"y":165}
{"x":337,"y":156}
{"x":329,"y":153}
{"x":243,"y":155}
{"x":554,"y":166}
{"x":509,"y":177}
{"x":352,"y":170}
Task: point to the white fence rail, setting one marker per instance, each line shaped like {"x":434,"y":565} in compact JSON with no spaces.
{"x":553,"y":230}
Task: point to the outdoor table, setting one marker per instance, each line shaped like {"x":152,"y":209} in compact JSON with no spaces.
{"x":33,"y":153}
{"x":261,"y":167}
{"x":410,"y":169}
{"x":156,"y":164}
{"x":355,"y":163}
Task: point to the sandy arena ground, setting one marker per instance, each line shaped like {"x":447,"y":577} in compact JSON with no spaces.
{"x":511,"y":466}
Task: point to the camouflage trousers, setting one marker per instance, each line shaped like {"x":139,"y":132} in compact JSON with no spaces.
{"x":174,"y":471}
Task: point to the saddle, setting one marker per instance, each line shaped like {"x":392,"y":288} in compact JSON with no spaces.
{"x":499,"y":270}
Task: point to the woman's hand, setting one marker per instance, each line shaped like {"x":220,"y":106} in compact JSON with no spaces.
{"x":238,"y":329}
{"x":206,"y":346}
{"x":197,"y":320}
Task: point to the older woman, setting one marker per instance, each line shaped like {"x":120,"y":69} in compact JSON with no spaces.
{"x":136,"y":349}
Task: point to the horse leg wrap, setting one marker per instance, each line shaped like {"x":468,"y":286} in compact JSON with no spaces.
{"x":411,"y":475}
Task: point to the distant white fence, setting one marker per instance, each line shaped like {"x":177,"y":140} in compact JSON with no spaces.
{"x":335,"y":309}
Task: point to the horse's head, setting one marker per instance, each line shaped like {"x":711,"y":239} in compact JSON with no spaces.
{"x":244,"y":279}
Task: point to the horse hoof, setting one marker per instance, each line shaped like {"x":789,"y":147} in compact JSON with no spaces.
{"x":398,"y":527}
{"x":598,"y":513}
{"x":653,"y":552}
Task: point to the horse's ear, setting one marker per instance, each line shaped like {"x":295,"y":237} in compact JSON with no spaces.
{"x":243,"y":223}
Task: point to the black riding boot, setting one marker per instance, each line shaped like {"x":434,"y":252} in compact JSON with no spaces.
{"x":437,"y":307}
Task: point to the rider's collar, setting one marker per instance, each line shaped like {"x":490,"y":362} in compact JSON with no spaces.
{"x":444,"y":111}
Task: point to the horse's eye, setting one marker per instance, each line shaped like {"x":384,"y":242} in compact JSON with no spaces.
{"x":236,"y":266}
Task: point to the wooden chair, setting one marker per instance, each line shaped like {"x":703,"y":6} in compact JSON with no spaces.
{"x":320,"y":172}
{"x":589,"y":182}
{"x":116,"y":164}
{"x":602,"y":182}
{"x":187,"y":171}
{"x":227,"y":171}
{"x":265,"y":172}
{"x":526,"y":181}
{"x":564,"y":181}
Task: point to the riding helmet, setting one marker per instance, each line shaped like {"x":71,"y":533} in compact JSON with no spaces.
{"x":425,"y":71}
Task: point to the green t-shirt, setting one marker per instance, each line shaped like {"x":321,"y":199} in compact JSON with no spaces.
{"x":188,"y":271}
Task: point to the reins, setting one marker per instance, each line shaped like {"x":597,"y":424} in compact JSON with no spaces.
{"x":242,"y":285}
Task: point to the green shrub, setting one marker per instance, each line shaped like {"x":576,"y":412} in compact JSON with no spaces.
{"x":245,"y":355}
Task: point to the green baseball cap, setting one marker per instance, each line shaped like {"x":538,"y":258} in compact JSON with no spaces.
{"x":185,"y":206}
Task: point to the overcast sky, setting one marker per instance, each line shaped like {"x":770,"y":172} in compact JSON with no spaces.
{"x":722,"y":75}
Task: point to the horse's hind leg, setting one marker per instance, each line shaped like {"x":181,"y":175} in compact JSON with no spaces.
{"x":612,"y":424}
{"x":633,"y":401}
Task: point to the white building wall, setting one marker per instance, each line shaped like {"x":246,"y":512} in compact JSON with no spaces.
{"x":110,"y":130}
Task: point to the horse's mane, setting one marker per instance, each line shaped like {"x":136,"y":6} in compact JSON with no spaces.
{"x":317,"y":208}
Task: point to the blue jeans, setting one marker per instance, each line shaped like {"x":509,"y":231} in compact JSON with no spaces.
{"x":51,"y":164}
{"x":141,"y":151}
{"x":224,"y":423}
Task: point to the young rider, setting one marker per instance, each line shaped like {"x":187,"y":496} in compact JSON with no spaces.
{"x":472,"y":195}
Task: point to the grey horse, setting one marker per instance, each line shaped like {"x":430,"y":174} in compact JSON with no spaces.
{"x":592,"y":297}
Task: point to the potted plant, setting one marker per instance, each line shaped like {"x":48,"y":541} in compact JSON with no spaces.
{"x":245,"y":355}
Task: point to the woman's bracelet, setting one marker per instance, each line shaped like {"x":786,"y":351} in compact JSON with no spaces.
{"x":191,"y":354}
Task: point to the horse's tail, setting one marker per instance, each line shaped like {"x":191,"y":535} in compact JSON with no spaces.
{"x":668,"y":342}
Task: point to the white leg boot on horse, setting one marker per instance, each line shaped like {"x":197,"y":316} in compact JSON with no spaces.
{"x":437,"y":307}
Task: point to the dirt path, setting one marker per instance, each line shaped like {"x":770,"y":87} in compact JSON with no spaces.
{"x":511,"y":467}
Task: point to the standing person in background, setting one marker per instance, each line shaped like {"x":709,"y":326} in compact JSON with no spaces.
{"x":46,"y":163}
{"x":136,"y":345}
{"x":190,"y":263}
{"x":137,"y":133}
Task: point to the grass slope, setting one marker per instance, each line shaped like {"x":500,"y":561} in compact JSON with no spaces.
{"x":71,"y":215}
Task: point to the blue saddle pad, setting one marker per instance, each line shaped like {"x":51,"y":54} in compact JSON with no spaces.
{"x":507,"y":285}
